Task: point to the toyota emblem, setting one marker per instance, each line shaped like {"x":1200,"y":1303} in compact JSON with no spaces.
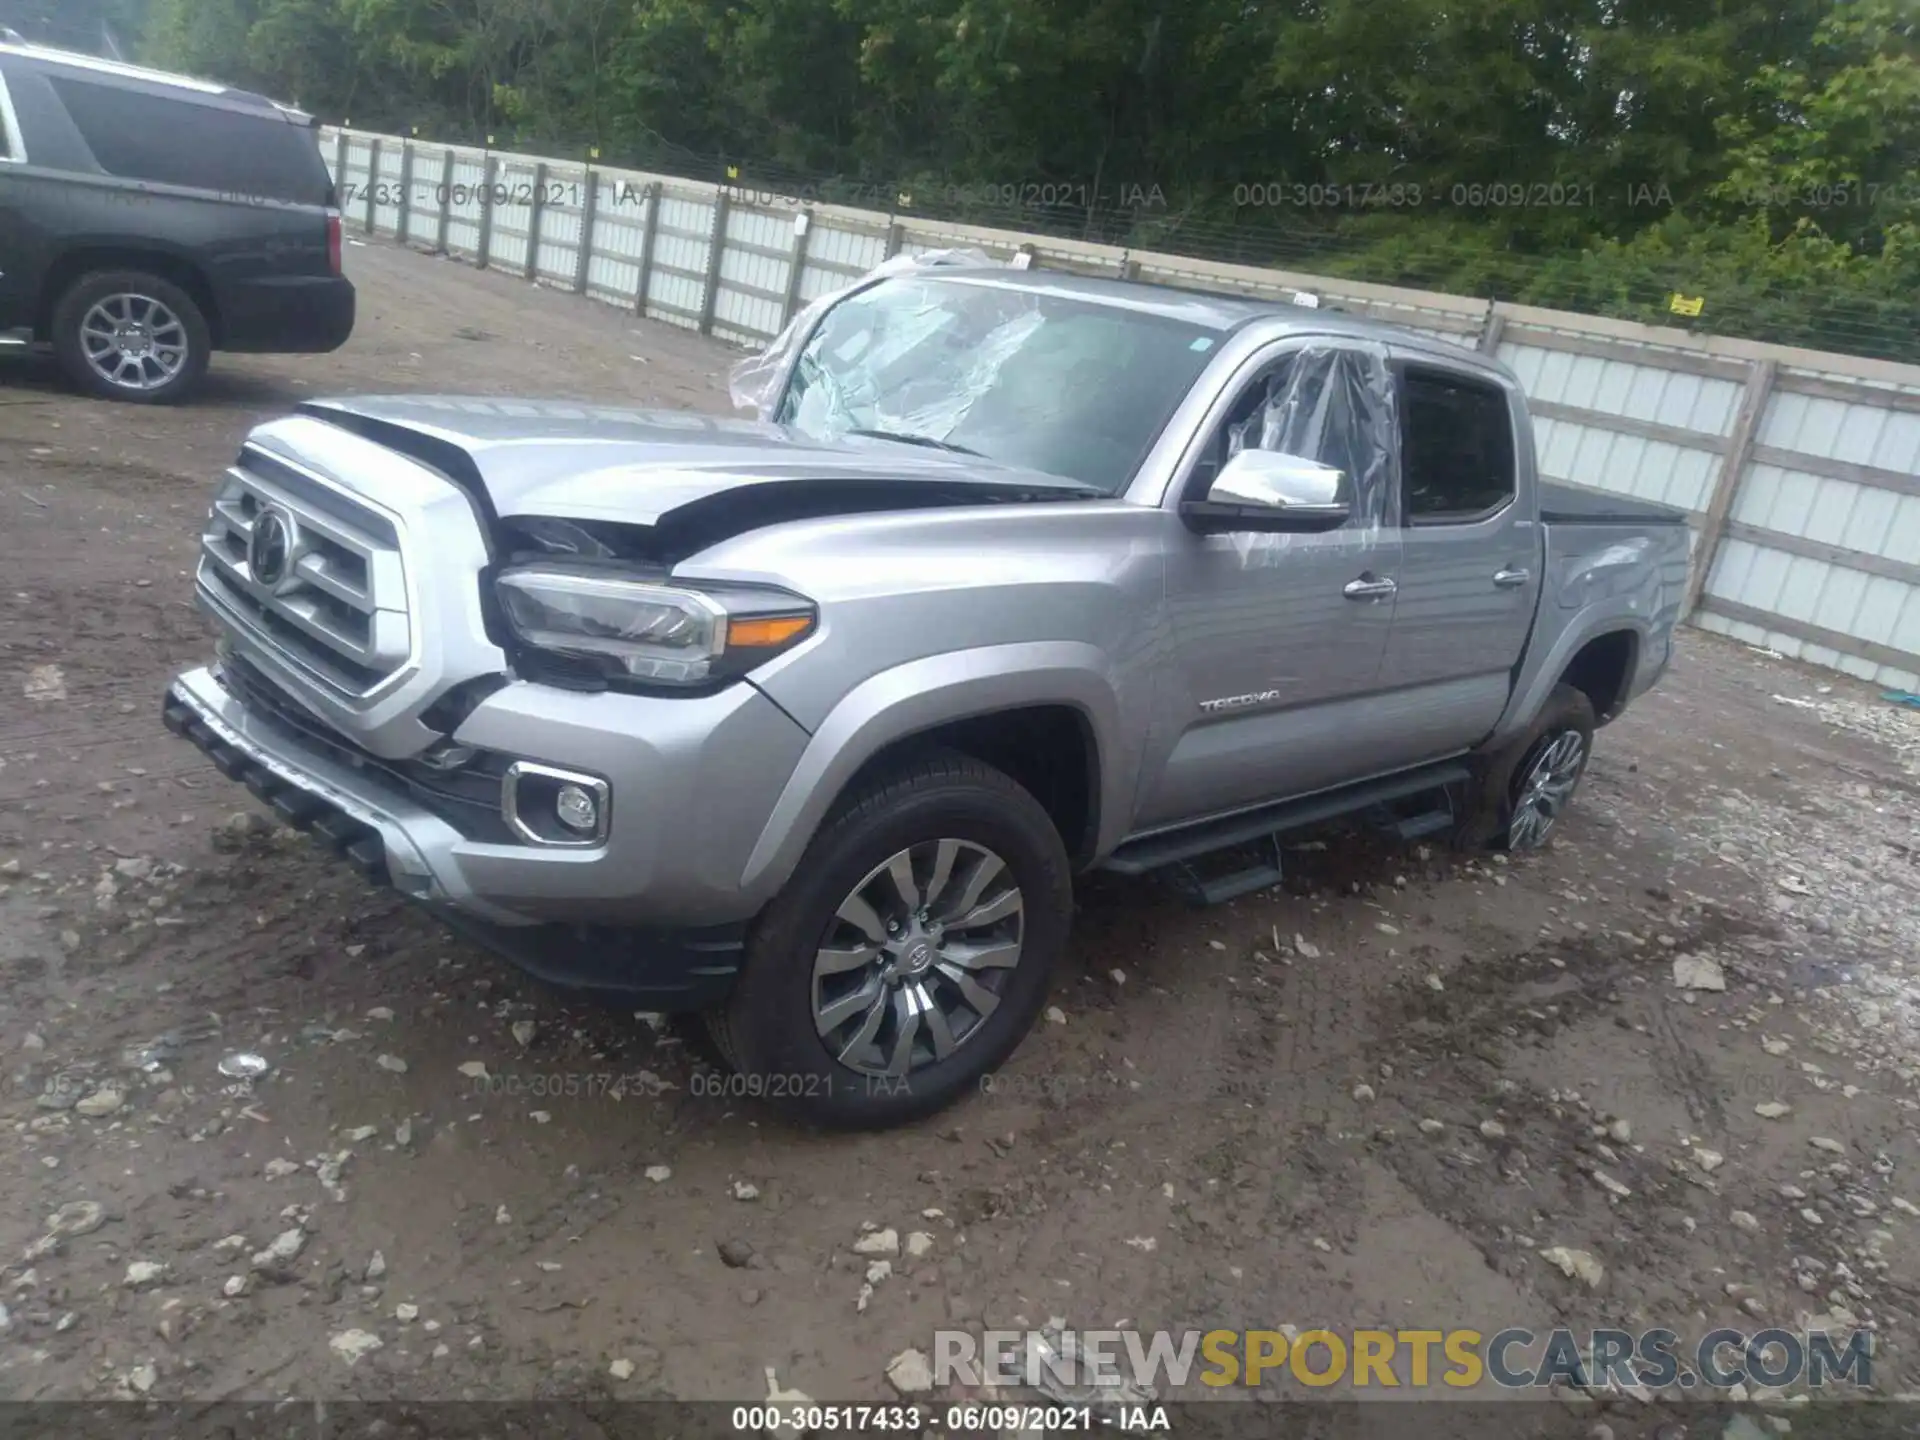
{"x":271,"y":548}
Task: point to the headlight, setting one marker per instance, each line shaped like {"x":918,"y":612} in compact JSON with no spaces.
{"x":655,"y":634}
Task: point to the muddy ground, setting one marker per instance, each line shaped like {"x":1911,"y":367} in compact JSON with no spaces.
{"x":1371,"y":1097}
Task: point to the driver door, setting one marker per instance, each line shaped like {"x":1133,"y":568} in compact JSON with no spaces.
{"x":1278,"y":639}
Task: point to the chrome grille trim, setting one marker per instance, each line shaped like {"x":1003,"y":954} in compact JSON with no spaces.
{"x":400,"y":537}
{"x":341,"y":613}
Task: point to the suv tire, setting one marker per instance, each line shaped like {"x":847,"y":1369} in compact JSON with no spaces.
{"x":822,"y":1004}
{"x":144,"y":328}
{"x":1524,"y":787}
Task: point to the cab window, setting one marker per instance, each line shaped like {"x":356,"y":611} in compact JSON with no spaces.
{"x":1457,"y":449}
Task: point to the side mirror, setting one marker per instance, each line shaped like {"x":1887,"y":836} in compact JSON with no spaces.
{"x":1265,"y":490}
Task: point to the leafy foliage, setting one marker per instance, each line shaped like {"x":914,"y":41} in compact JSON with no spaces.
{"x":92,"y":26}
{"x":1596,"y":154}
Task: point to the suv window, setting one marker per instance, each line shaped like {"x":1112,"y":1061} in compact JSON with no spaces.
{"x":1456,"y":447}
{"x":178,"y":141}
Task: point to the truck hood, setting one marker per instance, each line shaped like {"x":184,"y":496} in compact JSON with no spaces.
{"x":561,"y":460}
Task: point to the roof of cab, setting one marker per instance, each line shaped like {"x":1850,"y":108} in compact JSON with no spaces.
{"x":1218,"y":312}
{"x":94,"y":67}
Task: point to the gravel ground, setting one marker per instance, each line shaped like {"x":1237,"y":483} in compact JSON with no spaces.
{"x":1372,"y":1096}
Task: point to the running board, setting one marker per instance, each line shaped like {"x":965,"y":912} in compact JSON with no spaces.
{"x":1430,"y":822}
{"x":1152,"y":852}
{"x":16,"y":339}
{"x":1201,"y":890}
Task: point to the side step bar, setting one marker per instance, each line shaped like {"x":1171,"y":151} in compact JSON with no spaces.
{"x":21,"y":339}
{"x":1153,"y":852}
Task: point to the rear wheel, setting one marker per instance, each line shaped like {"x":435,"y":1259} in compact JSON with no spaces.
{"x":127,"y":335}
{"x":909,"y":954}
{"x":1525,"y":787}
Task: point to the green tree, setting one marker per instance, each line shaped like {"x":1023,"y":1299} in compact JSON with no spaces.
{"x":1591,"y":153}
{"x":1836,"y":142}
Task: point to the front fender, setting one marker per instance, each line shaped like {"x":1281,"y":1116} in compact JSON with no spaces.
{"x":922,"y":695}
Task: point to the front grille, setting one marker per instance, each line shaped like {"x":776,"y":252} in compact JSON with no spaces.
{"x":467,"y":798}
{"x":337,"y":603}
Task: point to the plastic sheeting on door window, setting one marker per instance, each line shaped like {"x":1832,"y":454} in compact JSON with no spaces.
{"x":1334,"y":405}
{"x":755,"y":383}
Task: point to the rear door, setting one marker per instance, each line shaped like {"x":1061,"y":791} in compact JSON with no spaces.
{"x":16,"y":303}
{"x":1470,"y":558}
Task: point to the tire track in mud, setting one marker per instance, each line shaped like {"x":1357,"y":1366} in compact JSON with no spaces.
{"x":1542,"y":1158}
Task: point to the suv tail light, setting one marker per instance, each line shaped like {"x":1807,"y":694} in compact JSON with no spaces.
{"x":333,"y":241}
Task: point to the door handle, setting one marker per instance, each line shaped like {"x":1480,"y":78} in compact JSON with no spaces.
{"x":1511,"y":579}
{"x":1370,"y":587}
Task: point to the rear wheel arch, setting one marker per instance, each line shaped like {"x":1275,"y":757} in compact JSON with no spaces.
{"x":72,"y":266}
{"x":1603,"y":668}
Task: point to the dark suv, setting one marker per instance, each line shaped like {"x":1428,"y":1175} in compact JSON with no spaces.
{"x":147,"y":220}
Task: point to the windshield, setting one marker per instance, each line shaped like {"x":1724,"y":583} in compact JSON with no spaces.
{"x":1026,"y":378}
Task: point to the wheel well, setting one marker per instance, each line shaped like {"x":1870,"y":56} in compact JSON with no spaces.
{"x":76,"y":263}
{"x":1602,"y":670}
{"x":1049,"y":749}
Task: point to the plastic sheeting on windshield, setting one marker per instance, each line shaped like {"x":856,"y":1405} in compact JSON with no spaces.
{"x":850,"y":397}
{"x":754,"y":383}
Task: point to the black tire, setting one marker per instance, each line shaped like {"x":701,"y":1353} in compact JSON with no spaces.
{"x":1502,"y":775}
{"x":767,"y":1028}
{"x":70,"y":347}
{"x":692,"y":1030}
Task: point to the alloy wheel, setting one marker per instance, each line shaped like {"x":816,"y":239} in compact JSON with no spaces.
{"x":1547,"y":788}
{"x":917,"y":957}
{"x":133,"y":342}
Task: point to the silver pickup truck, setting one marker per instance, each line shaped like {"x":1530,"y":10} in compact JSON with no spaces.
{"x":807,"y":723}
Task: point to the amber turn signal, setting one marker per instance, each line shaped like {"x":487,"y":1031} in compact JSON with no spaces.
{"x":760,"y":632}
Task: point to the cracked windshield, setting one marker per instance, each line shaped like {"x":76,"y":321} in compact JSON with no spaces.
{"x":800,"y":718}
{"x":1026,"y":378}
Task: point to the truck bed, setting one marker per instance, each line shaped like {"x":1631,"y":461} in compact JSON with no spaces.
{"x":1577,"y":505}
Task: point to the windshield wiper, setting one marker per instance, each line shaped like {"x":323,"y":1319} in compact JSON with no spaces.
{"x":926,"y":440}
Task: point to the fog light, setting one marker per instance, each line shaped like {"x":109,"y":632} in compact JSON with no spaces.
{"x":577,"y":809}
{"x":543,"y":805}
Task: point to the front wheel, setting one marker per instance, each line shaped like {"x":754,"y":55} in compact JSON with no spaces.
{"x":909,"y":954}
{"x":128,"y":335}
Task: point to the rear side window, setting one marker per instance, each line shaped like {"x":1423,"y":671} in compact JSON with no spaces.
{"x":1457,"y":450}
{"x":9,"y":146}
{"x":176,"y":141}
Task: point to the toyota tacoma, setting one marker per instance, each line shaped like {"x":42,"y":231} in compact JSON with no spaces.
{"x":807,"y":723}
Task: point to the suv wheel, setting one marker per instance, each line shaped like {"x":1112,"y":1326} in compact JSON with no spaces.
{"x":1527,"y":786}
{"x":910,"y":952}
{"x":125,"y":335}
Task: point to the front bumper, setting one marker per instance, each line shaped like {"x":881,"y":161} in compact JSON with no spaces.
{"x":395,"y":841}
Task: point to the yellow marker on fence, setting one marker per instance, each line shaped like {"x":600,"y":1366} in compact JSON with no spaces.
{"x":733,"y":172}
{"x":593,"y":152}
{"x":1686,"y":305}
{"x":905,"y":197}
